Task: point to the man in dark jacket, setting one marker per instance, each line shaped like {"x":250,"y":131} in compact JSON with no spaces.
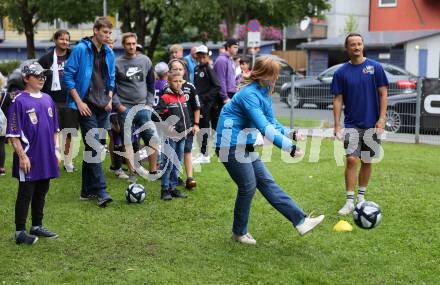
{"x":55,"y":87}
{"x":208,"y":87}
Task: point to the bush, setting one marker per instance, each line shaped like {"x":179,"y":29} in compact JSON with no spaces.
{"x":7,"y":67}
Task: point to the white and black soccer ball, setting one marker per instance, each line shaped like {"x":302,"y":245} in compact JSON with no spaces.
{"x":135,"y":193}
{"x":367,"y":215}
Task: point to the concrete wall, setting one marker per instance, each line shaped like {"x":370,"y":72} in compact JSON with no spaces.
{"x":341,"y":9}
{"x":432,"y":44}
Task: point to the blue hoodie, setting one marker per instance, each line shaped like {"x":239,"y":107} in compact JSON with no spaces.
{"x":251,"y":108}
{"x":79,"y":68}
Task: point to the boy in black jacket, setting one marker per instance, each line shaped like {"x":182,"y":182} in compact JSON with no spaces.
{"x":208,"y":87}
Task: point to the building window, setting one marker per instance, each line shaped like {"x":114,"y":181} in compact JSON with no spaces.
{"x":387,"y":3}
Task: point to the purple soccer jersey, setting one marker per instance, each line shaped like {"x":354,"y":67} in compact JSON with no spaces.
{"x":33,"y":119}
{"x":159,"y":86}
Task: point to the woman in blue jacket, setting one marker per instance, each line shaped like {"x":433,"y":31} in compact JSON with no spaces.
{"x":250,"y":110}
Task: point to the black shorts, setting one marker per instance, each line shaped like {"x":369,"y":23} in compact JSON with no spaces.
{"x":362,"y":143}
{"x":68,"y":118}
{"x":188,"y":143}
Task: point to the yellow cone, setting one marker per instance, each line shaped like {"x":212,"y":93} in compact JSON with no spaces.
{"x":343,"y":226}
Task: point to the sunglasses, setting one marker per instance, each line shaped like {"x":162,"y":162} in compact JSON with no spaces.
{"x":40,"y":77}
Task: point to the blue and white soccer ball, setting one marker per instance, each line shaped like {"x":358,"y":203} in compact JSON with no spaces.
{"x":367,"y":215}
{"x":135,"y":193}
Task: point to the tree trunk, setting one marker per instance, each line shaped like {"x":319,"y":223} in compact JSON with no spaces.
{"x":230,"y":21}
{"x":139,"y":25}
{"x":30,"y":43}
{"x":126,"y":17}
{"x":156,"y":35}
{"x":28,"y":25}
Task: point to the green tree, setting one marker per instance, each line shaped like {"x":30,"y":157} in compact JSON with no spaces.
{"x":26,"y":14}
{"x":168,"y":21}
{"x":276,"y":13}
{"x":351,"y":25}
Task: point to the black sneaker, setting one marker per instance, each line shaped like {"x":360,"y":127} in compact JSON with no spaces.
{"x":180,"y":182}
{"x":177,"y":194}
{"x":104,"y":201}
{"x":24,"y":238}
{"x":86,"y":197}
{"x":165,"y":195}
{"x":190,"y":183}
{"x":42,"y":232}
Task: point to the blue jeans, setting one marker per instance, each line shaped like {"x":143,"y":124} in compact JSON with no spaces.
{"x":249,"y":175}
{"x":171,"y":162}
{"x":93,"y":178}
{"x":140,"y":119}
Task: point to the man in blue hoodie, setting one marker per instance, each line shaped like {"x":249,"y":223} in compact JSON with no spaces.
{"x":89,"y":75}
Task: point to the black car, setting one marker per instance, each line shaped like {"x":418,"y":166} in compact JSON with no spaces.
{"x":285,"y":73}
{"x":401,"y":115}
{"x":316,"y":90}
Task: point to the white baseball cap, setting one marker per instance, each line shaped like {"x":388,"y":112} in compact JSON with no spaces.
{"x":161,"y":68}
{"x":202,"y":49}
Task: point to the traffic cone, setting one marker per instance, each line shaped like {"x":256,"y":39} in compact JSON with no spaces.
{"x":343,"y":226}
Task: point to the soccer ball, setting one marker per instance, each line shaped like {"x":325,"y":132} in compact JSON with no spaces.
{"x":135,"y":193}
{"x":367,"y":215}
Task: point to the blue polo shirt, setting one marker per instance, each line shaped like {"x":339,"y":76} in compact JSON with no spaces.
{"x":358,"y":84}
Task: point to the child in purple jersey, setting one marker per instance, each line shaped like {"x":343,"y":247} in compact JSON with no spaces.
{"x":33,"y":132}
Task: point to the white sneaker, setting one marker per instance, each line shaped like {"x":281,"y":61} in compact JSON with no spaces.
{"x":69,"y":167}
{"x":347,"y":209}
{"x":202,"y":159}
{"x":120,"y":173}
{"x":308,"y":224}
{"x":246,"y":239}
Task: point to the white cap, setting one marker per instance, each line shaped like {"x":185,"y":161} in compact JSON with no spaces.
{"x":161,"y":68}
{"x":202,"y":49}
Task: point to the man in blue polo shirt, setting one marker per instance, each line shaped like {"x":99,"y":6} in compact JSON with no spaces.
{"x":360,"y":85}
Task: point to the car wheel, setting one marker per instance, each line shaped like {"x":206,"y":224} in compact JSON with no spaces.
{"x":393,"y":122}
{"x":293,"y":101}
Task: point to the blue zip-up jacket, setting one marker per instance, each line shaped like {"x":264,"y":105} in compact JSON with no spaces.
{"x":79,"y":68}
{"x":251,"y":108}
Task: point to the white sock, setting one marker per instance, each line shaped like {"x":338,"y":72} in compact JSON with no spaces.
{"x":350,"y":197}
{"x":360,"y":196}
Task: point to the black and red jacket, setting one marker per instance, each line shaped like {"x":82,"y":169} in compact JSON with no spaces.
{"x":171,"y":103}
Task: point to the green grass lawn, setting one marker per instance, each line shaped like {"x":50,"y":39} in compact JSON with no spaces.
{"x":188,"y":241}
{"x":300,"y":122}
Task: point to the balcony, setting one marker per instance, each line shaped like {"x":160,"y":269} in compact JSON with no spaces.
{"x":315,"y":30}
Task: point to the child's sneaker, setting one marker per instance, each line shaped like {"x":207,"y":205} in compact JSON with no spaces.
{"x":165,"y":195}
{"x":41,"y":231}
{"x":190,"y":183}
{"x":2,"y":172}
{"x":246,"y":239}
{"x":120,"y":173}
{"x":201,"y":158}
{"x":24,"y":238}
{"x":175,"y":193}
{"x":68,"y":167}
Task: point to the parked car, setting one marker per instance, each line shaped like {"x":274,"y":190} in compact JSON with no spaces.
{"x":285,"y":72}
{"x":316,"y":90}
{"x":401,"y":115}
